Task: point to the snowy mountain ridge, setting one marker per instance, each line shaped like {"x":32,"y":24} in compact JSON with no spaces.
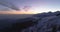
{"x":46,"y":23}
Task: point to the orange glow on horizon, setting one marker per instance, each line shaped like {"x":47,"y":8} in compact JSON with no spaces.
{"x":17,"y":12}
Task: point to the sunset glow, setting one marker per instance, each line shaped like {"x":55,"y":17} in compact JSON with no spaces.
{"x":16,"y":12}
{"x":29,"y":6}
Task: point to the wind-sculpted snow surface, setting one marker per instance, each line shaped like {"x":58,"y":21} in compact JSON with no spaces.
{"x":47,"y":23}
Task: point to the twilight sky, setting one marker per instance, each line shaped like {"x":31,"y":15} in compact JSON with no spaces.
{"x":29,"y":6}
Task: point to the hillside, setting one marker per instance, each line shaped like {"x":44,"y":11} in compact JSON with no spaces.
{"x":46,"y":22}
{"x":43,"y":22}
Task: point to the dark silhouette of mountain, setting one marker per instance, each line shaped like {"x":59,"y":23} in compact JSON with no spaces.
{"x":43,"y":22}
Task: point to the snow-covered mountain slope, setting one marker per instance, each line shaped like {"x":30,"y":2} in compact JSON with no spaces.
{"x":46,"y":23}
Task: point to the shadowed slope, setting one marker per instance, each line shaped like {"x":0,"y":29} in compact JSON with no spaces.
{"x":19,"y":25}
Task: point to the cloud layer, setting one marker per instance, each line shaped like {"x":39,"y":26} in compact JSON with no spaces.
{"x":9,"y":5}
